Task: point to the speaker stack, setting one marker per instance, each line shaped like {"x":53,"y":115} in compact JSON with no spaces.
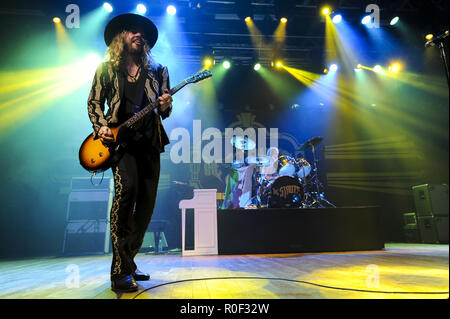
{"x":431,"y":202}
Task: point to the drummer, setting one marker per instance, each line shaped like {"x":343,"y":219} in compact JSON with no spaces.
{"x":270,"y":171}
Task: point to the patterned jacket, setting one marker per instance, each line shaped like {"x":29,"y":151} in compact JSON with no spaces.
{"x":108,"y":85}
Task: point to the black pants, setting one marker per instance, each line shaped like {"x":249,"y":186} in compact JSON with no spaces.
{"x":136,"y":178}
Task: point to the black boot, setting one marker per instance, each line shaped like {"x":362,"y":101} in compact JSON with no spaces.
{"x":124,"y":284}
{"x":140,"y":276}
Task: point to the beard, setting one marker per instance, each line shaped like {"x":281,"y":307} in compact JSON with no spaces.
{"x":134,"y":49}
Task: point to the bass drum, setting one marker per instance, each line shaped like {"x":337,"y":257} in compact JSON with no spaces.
{"x":285,"y":192}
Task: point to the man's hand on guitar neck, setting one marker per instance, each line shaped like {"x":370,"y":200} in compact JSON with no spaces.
{"x":105,"y":134}
{"x":165,"y":101}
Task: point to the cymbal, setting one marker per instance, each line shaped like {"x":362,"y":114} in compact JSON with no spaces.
{"x":237,"y":164}
{"x":258,"y":160}
{"x":310,"y":143}
{"x":243,"y":143}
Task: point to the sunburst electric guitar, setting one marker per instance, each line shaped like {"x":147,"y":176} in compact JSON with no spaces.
{"x":96,"y":157}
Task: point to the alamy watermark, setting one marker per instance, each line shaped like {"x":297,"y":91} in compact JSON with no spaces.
{"x":73,"y":277}
{"x":373,"y":279}
{"x":238,"y":142}
{"x":374,"y":14}
{"x":73,"y":18}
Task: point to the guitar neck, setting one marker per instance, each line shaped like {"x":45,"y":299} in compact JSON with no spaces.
{"x":151,"y":107}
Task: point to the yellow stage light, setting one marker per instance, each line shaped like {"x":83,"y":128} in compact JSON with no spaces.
{"x":395,"y":67}
{"x":325,"y":71}
{"x":278,"y":64}
{"x":248,"y":19}
{"x":208,"y":62}
{"x":429,"y":36}
{"x":326,"y":11}
{"x":56,"y":20}
{"x":283,"y":20}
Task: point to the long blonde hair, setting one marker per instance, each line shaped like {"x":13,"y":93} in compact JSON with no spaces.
{"x":115,"y":54}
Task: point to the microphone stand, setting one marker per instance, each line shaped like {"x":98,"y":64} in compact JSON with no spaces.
{"x":444,"y":59}
{"x":440,"y":43}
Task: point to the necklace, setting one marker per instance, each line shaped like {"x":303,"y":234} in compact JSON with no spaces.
{"x":136,"y":75}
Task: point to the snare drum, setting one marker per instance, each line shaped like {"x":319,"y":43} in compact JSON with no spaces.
{"x":286,"y":166}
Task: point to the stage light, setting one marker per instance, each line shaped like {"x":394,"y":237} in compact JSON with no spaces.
{"x":108,"y":7}
{"x":377,"y":68}
{"x":395,"y":67}
{"x":92,"y":60}
{"x":333,"y":67}
{"x":394,"y":21}
{"x":283,"y":20}
{"x":207,"y":62}
{"x":56,"y":20}
{"x":278,"y":64}
{"x":366,"y":20}
{"x":325,"y":71}
{"x":359,"y":66}
{"x":141,"y":8}
{"x":326,"y":11}
{"x":257,"y":67}
{"x":226,"y":64}
{"x":429,"y":37}
{"x":171,"y":10}
{"x":337,"y":19}
{"x":247,"y":19}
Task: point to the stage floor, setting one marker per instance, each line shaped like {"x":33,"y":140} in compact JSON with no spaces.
{"x":398,"y":267}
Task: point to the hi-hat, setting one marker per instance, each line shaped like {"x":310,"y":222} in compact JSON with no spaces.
{"x":243,"y":143}
{"x":310,"y":143}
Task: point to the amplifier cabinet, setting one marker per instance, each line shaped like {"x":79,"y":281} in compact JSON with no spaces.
{"x":87,"y":217}
{"x":431,"y":200}
{"x":433,"y":229}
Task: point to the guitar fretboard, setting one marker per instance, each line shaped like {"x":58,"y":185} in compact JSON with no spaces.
{"x":151,"y":107}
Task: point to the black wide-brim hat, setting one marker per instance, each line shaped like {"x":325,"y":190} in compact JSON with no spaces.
{"x":130,"y":21}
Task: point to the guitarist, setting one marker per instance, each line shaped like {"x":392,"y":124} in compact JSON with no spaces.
{"x":128,"y":81}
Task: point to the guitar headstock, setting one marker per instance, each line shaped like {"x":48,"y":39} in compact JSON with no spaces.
{"x":199,"y":76}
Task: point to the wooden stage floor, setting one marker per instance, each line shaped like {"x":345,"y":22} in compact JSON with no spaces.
{"x":398,"y":267}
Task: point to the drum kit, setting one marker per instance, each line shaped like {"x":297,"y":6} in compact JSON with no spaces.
{"x":284,"y":181}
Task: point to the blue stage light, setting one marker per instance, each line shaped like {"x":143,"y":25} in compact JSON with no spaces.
{"x":171,"y":10}
{"x":108,"y":7}
{"x":337,"y":18}
{"x":366,"y":20}
{"x":394,"y":21}
{"x":333,"y":67}
{"x":141,"y":8}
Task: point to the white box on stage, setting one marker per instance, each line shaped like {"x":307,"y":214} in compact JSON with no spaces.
{"x":87,"y":217}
